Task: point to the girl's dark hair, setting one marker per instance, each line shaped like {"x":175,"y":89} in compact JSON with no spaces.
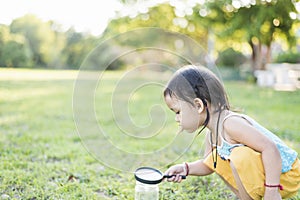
{"x":192,"y":82}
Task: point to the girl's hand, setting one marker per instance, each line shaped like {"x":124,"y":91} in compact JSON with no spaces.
{"x":177,"y":170}
{"x":272,"y":194}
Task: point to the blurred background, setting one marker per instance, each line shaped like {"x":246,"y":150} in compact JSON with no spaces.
{"x":44,"y":43}
{"x":236,"y":33}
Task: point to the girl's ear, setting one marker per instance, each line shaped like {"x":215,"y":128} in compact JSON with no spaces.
{"x":199,"y":105}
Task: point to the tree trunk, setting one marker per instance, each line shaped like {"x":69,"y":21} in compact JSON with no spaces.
{"x":268,"y":56}
{"x":253,"y":56}
{"x":257,"y":58}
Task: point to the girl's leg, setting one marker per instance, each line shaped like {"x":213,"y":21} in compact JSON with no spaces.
{"x":242,"y":193}
{"x":235,"y":191}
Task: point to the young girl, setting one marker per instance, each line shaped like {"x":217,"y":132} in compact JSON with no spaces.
{"x":252,"y":161}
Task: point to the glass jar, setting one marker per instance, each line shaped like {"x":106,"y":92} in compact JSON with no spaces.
{"x":146,"y":191}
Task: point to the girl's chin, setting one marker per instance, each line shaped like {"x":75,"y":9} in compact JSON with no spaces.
{"x":188,"y":130}
{"x":181,"y":129}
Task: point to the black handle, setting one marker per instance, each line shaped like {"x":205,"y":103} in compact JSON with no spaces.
{"x":170,"y":176}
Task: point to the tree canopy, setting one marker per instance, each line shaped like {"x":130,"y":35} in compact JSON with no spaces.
{"x":216,"y":25}
{"x":256,"y":22}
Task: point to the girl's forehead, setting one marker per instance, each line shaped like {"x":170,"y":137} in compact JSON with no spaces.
{"x":174,"y":102}
{"x":171,"y":101}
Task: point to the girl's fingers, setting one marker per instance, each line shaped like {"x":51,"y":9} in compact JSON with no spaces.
{"x":175,"y":170}
{"x":172,"y":179}
{"x":177,"y":178}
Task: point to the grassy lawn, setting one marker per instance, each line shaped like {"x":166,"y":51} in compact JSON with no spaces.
{"x":42,"y":156}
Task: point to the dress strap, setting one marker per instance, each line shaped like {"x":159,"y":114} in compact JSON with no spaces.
{"x":238,"y":115}
{"x":222,"y":124}
{"x":231,"y":114}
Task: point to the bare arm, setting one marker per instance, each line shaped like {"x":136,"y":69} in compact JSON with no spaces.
{"x":196,"y":168}
{"x":240,"y":131}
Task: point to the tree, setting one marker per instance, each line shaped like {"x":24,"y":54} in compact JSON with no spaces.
{"x":42,"y":40}
{"x":162,"y":16}
{"x":258,"y":23}
{"x":14,"y":51}
{"x":78,"y":46}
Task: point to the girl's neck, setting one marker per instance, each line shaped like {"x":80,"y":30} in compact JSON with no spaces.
{"x":212,"y":124}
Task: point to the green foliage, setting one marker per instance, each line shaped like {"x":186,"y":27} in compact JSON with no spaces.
{"x":262,"y":20}
{"x":41,"y":39}
{"x":31,"y":42}
{"x":15,"y":54}
{"x":150,"y":19}
{"x":77,"y":47}
{"x":14,"y":51}
{"x":258,"y":24}
{"x":42,"y":156}
{"x":230,"y":58}
{"x":142,"y":46}
{"x":288,"y":57}
{"x":36,"y":43}
{"x":160,"y":16}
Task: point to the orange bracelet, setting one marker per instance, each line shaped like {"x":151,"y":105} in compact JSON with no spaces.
{"x":187,"y":169}
{"x":271,"y":186}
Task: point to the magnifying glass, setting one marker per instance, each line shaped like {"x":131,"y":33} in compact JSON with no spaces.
{"x":149,"y":175}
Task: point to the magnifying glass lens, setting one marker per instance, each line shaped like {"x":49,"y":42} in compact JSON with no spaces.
{"x":148,"y":175}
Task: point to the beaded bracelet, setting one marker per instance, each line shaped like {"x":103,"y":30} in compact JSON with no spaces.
{"x":272,"y":186}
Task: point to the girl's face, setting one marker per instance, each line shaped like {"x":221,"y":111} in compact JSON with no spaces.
{"x":187,"y":115}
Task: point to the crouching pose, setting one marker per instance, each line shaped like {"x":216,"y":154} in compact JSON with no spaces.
{"x":252,"y":161}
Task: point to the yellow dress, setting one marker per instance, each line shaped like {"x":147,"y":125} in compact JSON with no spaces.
{"x":249,"y":166}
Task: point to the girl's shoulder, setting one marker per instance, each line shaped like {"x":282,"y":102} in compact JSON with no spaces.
{"x":232,"y":118}
{"x":238,"y":126}
{"x":234,"y":125}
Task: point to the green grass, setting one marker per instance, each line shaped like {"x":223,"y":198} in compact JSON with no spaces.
{"x":43,"y":157}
